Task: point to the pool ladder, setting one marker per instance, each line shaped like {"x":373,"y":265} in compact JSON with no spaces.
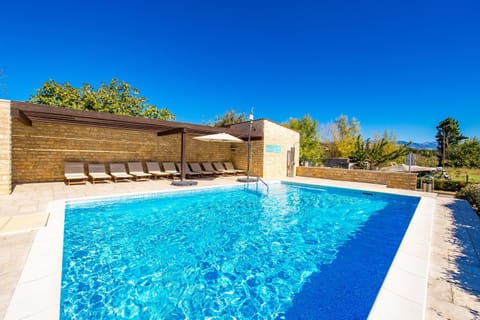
{"x":256,"y":184}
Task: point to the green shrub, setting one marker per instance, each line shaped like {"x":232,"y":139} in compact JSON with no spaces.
{"x":471,"y":193}
{"x":449,"y":185}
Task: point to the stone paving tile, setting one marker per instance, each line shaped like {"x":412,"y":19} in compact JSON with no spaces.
{"x":25,"y":222}
{"x":13,"y":254}
{"x":450,"y":311}
{"x":454,"y":278}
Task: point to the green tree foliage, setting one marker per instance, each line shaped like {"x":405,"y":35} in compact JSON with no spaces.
{"x":425,"y":158}
{"x":391,"y":146}
{"x":466,"y":154}
{"x":448,"y":136}
{"x":471,"y":193}
{"x":116,"y":97}
{"x":344,"y":133}
{"x":229,"y":117}
{"x":372,"y":154}
{"x":310,"y":147}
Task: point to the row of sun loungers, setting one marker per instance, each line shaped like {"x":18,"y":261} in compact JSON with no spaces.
{"x":75,"y":171}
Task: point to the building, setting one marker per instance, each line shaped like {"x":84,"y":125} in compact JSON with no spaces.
{"x":36,"y":140}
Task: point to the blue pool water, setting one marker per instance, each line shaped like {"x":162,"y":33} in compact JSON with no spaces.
{"x":298,"y":252}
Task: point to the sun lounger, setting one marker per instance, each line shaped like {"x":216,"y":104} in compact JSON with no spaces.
{"x":154,"y":169}
{"x":197,"y":168}
{"x":136,"y":170}
{"x":75,"y":172}
{"x":230,"y":167}
{"x":96,"y":171}
{"x":169,"y":167}
{"x":208,"y":167}
{"x":219,"y":167}
{"x":118,"y":172}
{"x":188,"y":172}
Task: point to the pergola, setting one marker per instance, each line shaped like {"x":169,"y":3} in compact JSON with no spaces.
{"x":28,"y":113}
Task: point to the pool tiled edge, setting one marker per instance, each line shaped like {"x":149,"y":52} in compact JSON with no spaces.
{"x":403,"y":293}
{"x":40,"y":283}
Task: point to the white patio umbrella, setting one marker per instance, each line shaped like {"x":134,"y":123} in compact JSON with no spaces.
{"x":220,"y":137}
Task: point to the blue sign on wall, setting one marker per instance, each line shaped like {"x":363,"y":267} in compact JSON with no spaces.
{"x":273,"y":148}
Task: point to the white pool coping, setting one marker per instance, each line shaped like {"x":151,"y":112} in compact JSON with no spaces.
{"x":402,"y":295}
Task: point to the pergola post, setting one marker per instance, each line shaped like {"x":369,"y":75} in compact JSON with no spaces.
{"x":182,"y":156}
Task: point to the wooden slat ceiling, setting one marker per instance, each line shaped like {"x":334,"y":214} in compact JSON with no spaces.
{"x":29,"y":112}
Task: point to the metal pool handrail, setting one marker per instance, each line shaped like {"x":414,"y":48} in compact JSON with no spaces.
{"x":261,"y":180}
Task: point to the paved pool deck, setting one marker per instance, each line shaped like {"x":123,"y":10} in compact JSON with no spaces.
{"x":451,"y":258}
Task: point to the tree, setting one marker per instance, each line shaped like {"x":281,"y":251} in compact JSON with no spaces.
{"x":448,"y":136}
{"x":372,"y":154}
{"x":466,"y":154}
{"x":344,"y":133}
{"x":229,"y":117}
{"x":116,"y":97}
{"x":310,"y":147}
{"x":391,"y":145}
{"x":425,"y":158}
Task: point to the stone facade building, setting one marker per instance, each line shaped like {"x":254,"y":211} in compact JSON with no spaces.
{"x":36,"y":140}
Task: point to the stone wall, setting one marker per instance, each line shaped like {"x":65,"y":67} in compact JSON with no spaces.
{"x":40,"y":150}
{"x":5,"y":147}
{"x":240,"y":156}
{"x":390,"y":179}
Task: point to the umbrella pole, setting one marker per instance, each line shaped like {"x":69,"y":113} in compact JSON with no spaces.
{"x":182,"y":155}
{"x":249,"y":152}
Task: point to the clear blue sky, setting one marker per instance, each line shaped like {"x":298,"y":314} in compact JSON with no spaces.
{"x":399,"y":65}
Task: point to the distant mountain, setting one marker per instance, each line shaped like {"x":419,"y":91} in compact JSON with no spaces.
{"x":420,"y":145}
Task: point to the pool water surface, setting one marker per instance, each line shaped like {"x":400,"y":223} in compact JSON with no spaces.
{"x":297,"y":252}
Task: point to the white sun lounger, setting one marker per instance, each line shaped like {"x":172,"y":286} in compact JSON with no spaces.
{"x":230,"y":167}
{"x":154,"y":169}
{"x":96,"y":171}
{"x":136,"y":170}
{"x":195,"y":166}
{"x":118,"y":172}
{"x":208,"y":167}
{"x":188,"y":172}
{"x":219,"y":167}
{"x":169,"y":167}
{"x":75,"y":172}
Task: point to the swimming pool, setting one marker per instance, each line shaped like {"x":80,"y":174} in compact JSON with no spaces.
{"x":298,"y":252}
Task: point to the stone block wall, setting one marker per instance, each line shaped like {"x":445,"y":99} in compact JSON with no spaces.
{"x":5,"y":147}
{"x":40,"y":150}
{"x":398,"y":180}
{"x":240,"y":156}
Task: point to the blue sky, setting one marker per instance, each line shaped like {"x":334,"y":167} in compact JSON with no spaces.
{"x":396,"y":65}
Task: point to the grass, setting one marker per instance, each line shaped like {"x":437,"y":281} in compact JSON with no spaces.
{"x":459,"y":174}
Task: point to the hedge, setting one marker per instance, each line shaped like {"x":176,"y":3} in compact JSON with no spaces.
{"x":471,"y":193}
{"x":444,"y":184}
{"x":449,"y":185}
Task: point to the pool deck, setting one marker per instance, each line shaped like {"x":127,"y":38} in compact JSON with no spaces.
{"x":435,"y":274}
